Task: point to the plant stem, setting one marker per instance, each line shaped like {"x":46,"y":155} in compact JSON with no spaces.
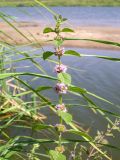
{"x":60,"y":99}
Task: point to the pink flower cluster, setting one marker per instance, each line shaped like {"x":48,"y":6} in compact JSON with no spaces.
{"x":60,"y":68}
{"x":59,"y":51}
{"x":61,"y":88}
{"x":61,"y":107}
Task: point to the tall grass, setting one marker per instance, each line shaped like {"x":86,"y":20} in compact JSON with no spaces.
{"x":25,"y":131}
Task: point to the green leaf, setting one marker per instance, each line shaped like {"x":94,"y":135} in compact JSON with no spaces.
{"x":77,"y":89}
{"x":109,"y":58}
{"x":81,"y":91}
{"x":6,"y":75}
{"x":95,"y":40}
{"x":65,"y":78}
{"x":83,"y":134}
{"x":15,"y":28}
{"x":98,"y":97}
{"x":58,"y":42}
{"x":42,"y":88}
{"x":41,"y":126}
{"x":55,"y":17}
{"x":102,"y":57}
{"x":65,"y":116}
{"x":48,"y":30}
{"x":47,"y":54}
{"x":67,"y":30}
{"x":47,"y":8}
{"x":33,"y":90}
{"x":64,"y":19}
{"x":72,"y":53}
{"x":29,"y":140}
{"x":56,"y":155}
{"x":10,"y":154}
{"x":60,"y":17}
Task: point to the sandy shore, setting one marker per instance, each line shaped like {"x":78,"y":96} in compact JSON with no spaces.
{"x":33,"y":33}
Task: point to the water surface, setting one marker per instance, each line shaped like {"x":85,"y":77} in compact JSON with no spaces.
{"x":108,"y":16}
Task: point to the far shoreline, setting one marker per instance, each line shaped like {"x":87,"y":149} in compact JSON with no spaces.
{"x":61,"y":6}
{"x":34,"y":34}
{"x":82,"y":3}
{"x":22,"y":6}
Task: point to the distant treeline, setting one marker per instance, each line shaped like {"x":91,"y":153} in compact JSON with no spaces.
{"x":61,"y":2}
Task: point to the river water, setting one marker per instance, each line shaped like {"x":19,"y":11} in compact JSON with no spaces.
{"x":99,"y":76}
{"x":76,"y":15}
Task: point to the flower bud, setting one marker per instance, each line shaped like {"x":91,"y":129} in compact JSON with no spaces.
{"x":60,"y":149}
{"x":61,"y":107}
{"x":60,"y":68}
{"x":61,"y":88}
{"x":59,"y":51}
{"x":60,"y":127}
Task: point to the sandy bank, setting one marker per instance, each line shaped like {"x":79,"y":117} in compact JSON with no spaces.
{"x":32,"y":33}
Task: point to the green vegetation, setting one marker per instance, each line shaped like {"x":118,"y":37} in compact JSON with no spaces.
{"x":61,"y":2}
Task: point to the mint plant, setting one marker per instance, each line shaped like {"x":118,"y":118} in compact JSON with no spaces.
{"x":63,"y":86}
{"x":64,"y":80}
